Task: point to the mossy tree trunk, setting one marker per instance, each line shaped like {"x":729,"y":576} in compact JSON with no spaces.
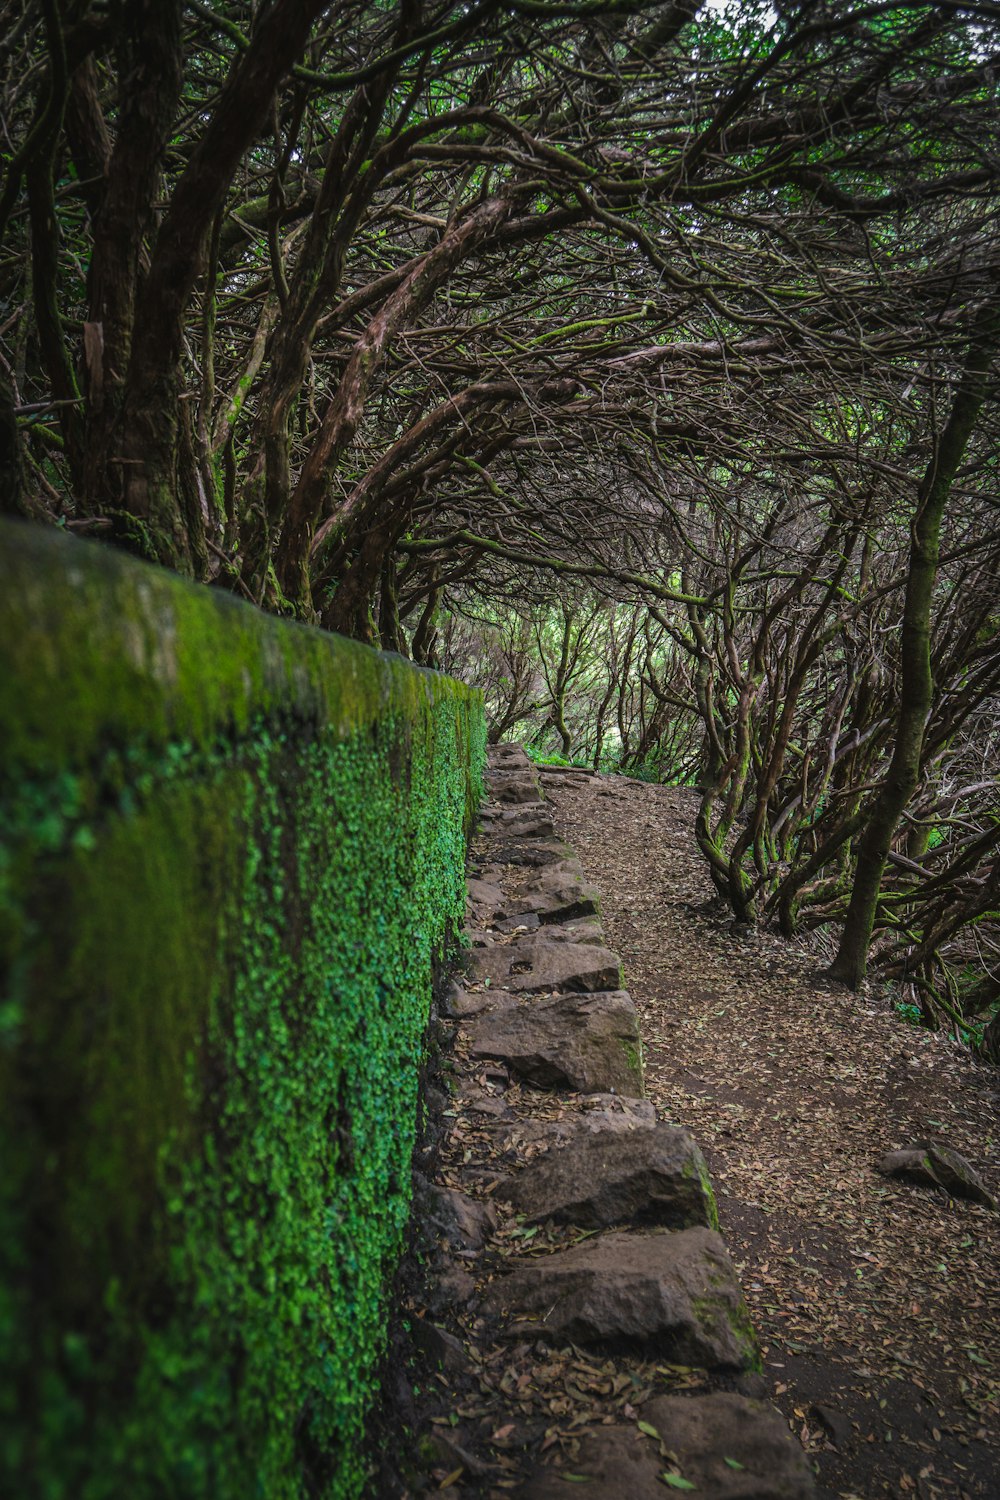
{"x":917,"y":685}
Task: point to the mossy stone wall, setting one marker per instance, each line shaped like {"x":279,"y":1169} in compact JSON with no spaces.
{"x":231,"y":850}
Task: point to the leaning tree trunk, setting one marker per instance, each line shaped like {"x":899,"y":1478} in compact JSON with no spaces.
{"x":917,"y":687}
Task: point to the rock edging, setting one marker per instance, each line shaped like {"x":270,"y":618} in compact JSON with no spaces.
{"x":581,"y":1307}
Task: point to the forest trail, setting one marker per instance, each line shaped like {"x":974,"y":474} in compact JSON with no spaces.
{"x":875,"y":1301}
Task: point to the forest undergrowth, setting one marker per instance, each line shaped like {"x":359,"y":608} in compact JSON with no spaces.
{"x":874,"y":1299}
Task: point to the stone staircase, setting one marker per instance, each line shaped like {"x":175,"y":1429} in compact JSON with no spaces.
{"x":569,"y":1218}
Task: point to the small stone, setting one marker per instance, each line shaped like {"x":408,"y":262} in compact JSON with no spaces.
{"x":534,"y":853}
{"x":655,"y":1176}
{"x":529,"y":922}
{"x":724,"y":1446}
{"x":485,"y":895}
{"x":585,"y":1042}
{"x":667,"y":1295}
{"x":538,"y":965}
{"x":440,"y":1346}
{"x":453,"y":1287}
{"x":460,"y":1003}
{"x":936,"y":1165}
{"x":706,"y":1430}
{"x":464,"y":1221}
{"x":496,"y":1109}
{"x":837,"y":1426}
{"x":556,"y":894}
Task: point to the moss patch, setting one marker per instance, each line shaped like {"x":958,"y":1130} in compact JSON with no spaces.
{"x":696,"y":1169}
{"x":231,"y":852}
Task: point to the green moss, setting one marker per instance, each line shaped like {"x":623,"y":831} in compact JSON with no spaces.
{"x":217,"y":928}
{"x":695,"y":1169}
{"x":709,"y":1309}
{"x":633,"y":1057}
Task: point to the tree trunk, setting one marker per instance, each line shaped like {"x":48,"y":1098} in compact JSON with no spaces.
{"x":916,"y":687}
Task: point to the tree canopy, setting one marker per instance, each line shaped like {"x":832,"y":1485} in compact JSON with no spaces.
{"x":680,"y":318}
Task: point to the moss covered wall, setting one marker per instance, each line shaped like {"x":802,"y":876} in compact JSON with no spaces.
{"x":230,"y":851}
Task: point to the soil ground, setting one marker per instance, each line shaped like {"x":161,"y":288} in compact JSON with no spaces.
{"x":877,"y":1302}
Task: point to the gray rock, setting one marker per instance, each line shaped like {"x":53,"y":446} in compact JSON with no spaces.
{"x":704,"y":1431}
{"x":440,"y":1346}
{"x":453,"y":1287}
{"x":459,"y":1002}
{"x":515,"y":786}
{"x":537,"y":965}
{"x":596,"y":1112}
{"x":611,"y":1112}
{"x":556,"y":894}
{"x":534,"y":853}
{"x":516,"y":822}
{"x":485,"y":895}
{"x":465,"y":1222}
{"x":668,"y":1295}
{"x":509,"y":756}
{"x":526,"y":923}
{"x":837,"y":1425}
{"x":938,"y":1166}
{"x":655,"y":1176}
{"x":700,"y":1433}
{"x":489,"y":1104}
{"x":615,"y":1464}
{"x":579,"y":930}
{"x":585,"y":1042}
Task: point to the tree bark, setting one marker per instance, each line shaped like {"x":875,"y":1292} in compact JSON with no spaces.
{"x":916,"y":686}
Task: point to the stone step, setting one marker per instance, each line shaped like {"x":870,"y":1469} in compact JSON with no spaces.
{"x":510,"y":756}
{"x":537,"y":965}
{"x":597,"y":1113}
{"x":652,"y":1176}
{"x":514,"y":786}
{"x":536,"y":853}
{"x":588,"y":1043}
{"x":726,"y":1447}
{"x":555,"y":894}
{"x":525,"y":821}
{"x":669,"y":1295}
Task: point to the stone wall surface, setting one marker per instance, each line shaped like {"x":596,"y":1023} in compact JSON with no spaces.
{"x":231,"y":850}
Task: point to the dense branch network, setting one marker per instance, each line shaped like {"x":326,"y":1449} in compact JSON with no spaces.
{"x":671,"y":322}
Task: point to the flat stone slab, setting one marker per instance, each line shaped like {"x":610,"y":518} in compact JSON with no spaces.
{"x":589,"y":1043}
{"x":598,"y":1113}
{"x":556,"y":894}
{"x":651,"y":1176}
{"x":519,"y":823}
{"x":458,"y":1002}
{"x":700,"y":1433}
{"x":515,"y":786}
{"x":510,"y":756}
{"x":670,"y":1295}
{"x":535,"y":965}
{"x":484,"y":896}
{"x":577,"y":930}
{"x":535,"y":853}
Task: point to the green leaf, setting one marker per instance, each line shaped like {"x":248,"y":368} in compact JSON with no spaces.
{"x":578,"y":1478}
{"x":649,"y":1430}
{"x":677,"y":1481}
{"x":733,"y":1464}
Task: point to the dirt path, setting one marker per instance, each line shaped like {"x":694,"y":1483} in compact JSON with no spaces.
{"x":877,"y":1302}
